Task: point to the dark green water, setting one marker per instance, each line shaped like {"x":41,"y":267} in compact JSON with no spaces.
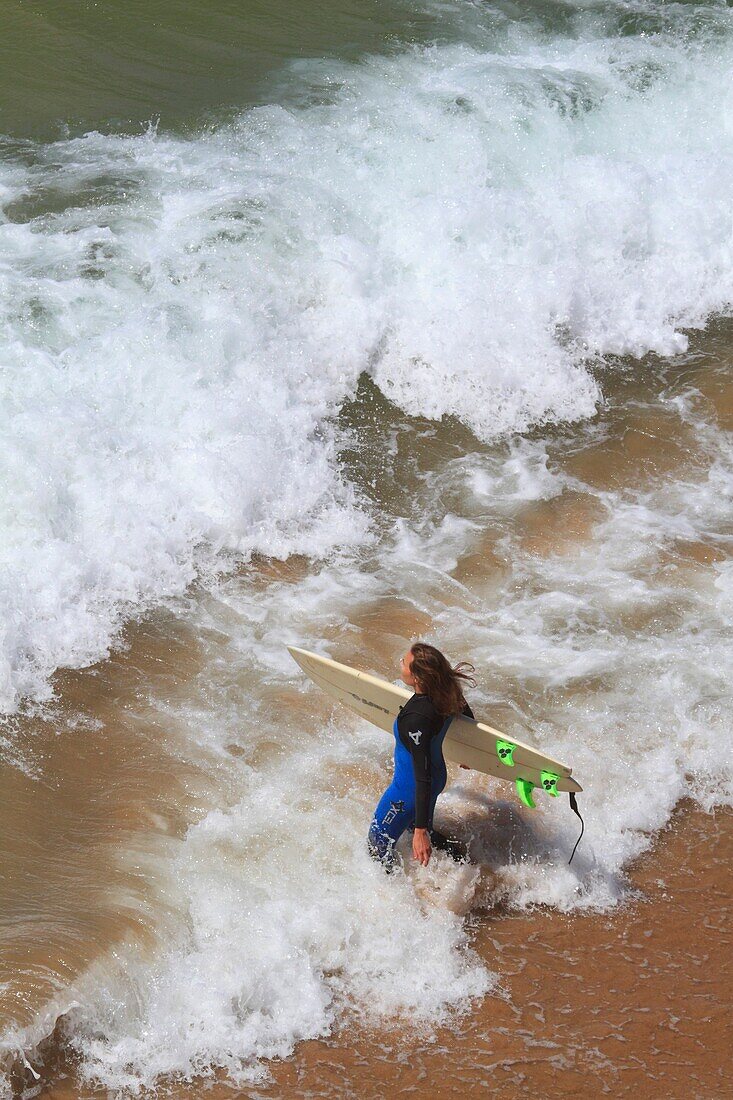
{"x":68,"y":66}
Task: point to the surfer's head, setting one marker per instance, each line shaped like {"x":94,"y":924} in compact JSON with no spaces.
{"x":429,"y":672}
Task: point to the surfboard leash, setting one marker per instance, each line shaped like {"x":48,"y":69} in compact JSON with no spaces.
{"x":574,"y":808}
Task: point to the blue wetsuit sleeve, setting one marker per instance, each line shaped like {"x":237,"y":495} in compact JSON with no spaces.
{"x":417,"y":743}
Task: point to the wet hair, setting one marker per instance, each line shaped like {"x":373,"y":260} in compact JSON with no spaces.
{"x":439,"y":680}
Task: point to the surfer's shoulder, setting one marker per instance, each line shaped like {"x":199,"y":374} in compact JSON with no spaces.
{"x":418,"y":704}
{"x":419,"y":713}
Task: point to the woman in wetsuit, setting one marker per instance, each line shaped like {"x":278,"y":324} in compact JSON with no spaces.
{"x":419,"y":768}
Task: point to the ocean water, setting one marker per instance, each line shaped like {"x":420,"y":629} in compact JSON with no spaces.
{"x":409,"y":322}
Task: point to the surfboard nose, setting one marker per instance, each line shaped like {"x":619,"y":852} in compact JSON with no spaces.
{"x":301,"y":656}
{"x":295,"y":651}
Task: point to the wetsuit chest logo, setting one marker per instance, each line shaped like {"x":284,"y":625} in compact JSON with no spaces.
{"x":416,"y":736}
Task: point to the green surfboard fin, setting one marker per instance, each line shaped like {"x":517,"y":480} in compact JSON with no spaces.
{"x":549,"y":783}
{"x":505,"y":752}
{"x":524,"y":790}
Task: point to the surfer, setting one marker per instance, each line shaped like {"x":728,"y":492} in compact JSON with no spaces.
{"x":419,"y":767}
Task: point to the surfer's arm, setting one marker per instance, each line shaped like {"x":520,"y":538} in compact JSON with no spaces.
{"x":411,"y":728}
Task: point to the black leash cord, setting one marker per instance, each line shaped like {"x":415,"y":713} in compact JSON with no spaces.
{"x":574,"y":808}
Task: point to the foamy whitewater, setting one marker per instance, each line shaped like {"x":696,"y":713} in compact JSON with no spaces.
{"x":180,"y":317}
{"x":474,"y":226}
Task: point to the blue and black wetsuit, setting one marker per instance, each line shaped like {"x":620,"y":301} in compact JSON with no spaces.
{"x":419,"y":777}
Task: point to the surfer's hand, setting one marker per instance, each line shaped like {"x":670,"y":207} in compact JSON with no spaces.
{"x":421,"y":847}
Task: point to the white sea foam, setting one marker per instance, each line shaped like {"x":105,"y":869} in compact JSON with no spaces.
{"x":180,"y":316}
{"x":288,"y":924}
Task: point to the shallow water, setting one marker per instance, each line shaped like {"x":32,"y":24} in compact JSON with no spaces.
{"x":431,"y":344}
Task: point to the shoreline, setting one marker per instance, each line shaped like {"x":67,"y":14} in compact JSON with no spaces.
{"x":632,"y":1000}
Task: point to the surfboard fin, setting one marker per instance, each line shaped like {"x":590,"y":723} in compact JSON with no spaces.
{"x":505,"y":752}
{"x":524,"y":790}
{"x":549,"y":783}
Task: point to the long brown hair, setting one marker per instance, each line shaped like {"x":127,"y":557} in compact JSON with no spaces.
{"x":439,"y":680}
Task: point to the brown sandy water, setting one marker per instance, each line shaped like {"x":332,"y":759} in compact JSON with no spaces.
{"x":104,"y":783}
{"x":636,"y":1000}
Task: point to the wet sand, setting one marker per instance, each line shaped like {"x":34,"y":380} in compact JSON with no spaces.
{"x":637,"y":1001}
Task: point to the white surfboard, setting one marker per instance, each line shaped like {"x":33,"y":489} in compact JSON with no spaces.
{"x":468,"y":742}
